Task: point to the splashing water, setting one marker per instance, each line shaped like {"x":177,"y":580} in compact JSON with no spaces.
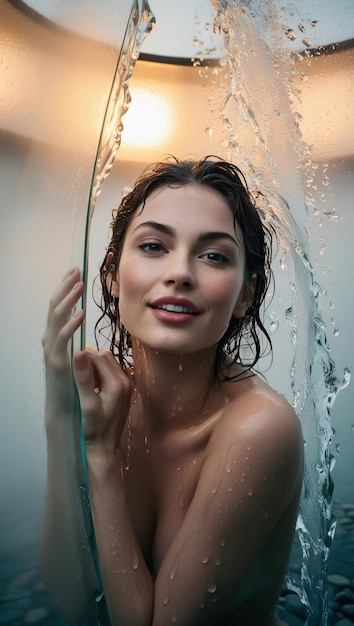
{"x":262,"y":137}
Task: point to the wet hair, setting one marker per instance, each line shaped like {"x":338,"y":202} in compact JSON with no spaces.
{"x":241,"y":343}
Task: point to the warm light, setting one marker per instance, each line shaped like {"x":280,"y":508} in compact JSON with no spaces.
{"x":148,"y":122}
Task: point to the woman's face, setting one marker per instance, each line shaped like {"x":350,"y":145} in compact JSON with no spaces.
{"x":181,"y":273}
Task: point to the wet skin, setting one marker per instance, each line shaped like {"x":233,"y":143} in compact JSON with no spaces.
{"x":253,"y":520}
{"x":194,"y":483}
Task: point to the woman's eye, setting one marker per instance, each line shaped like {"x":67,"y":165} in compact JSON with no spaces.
{"x":151,"y":247}
{"x":216,"y":257}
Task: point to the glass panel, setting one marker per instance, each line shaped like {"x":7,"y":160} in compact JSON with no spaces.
{"x":61,"y":88}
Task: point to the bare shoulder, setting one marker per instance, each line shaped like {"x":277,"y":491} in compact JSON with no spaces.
{"x":253,"y":406}
{"x":259,"y":426}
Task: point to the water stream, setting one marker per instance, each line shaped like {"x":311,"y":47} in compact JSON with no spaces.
{"x":262,"y":136}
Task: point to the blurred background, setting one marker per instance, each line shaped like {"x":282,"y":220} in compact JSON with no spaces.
{"x":57,"y":64}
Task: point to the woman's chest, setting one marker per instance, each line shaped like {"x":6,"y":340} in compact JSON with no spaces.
{"x":159,"y":490}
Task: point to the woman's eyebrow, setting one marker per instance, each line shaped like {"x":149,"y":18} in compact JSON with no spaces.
{"x":163,"y":228}
{"x":213,"y":235}
{"x":168,"y":230}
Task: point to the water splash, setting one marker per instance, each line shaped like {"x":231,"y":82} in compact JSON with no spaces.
{"x":261,"y":135}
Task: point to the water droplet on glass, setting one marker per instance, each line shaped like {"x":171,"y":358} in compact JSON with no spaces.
{"x":290,"y":33}
{"x":302,"y":28}
{"x":314,"y":23}
{"x":307,"y":42}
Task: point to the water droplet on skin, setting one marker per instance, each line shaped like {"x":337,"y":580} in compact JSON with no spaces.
{"x":222,"y":543}
{"x":218,"y":561}
{"x":250,"y":493}
{"x":135,"y":562}
{"x":205,"y":559}
{"x":165,"y":601}
{"x":214,"y":490}
{"x":174,"y":569}
{"x":211,"y":587}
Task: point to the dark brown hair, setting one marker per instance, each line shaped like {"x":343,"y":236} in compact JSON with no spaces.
{"x":242,"y":340}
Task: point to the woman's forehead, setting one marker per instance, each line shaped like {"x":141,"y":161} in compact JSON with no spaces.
{"x":191,"y":203}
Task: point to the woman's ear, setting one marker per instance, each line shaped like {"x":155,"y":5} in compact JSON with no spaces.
{"x":112,"y":282}
{"x":245,"y":298}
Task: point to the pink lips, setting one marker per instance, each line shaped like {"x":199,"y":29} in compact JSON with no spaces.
{"x":174,"y":316}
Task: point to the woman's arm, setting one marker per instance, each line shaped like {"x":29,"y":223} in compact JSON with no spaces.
{"x":104,"y":391}
{"x":65,"y":559}
{"x":251,"y":473}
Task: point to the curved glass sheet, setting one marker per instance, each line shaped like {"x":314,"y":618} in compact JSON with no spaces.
{"x":62,"y":87}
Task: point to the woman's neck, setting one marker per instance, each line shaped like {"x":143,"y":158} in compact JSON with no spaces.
{"x":175,"y":390}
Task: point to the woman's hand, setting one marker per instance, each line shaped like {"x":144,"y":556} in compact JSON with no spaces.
{"x":61,"y":325}
{"x":104,"y":392}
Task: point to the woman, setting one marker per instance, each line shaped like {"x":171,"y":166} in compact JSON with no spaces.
{"x":194,"y":463}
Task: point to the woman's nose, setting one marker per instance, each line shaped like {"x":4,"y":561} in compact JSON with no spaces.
{"x":180,"y":271}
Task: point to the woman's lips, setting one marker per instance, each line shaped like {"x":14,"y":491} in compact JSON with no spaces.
{"x":174,"y":310}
